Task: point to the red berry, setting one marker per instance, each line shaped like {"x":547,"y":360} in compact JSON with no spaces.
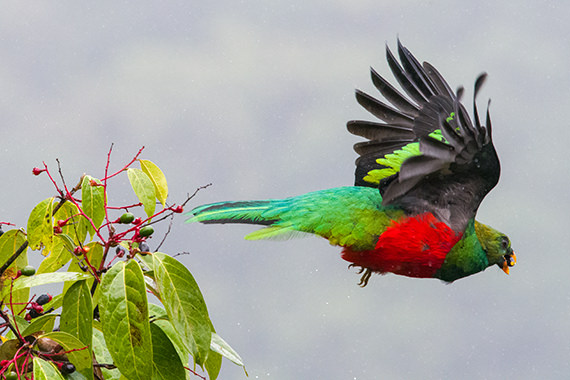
{"x":56,"y":229}
{"x":61,"y":222}
{"x":137,"y":221}
{"x":37,"y":171}
{"x":37,"y":307}
{"x":78,"y":251}
{"x":178,"y":209}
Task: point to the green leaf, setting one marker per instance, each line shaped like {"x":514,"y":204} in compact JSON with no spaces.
{"x":19,"y":322}
{"x":55,"y":302}
{"x":160,"y":319}
{"x":44,"y":370}
{"x":220,"y":346}
{"x":157,"y":312}
{"x":76,"y":352}
{"x":184,"y":305}
{"x":146,"y":260}
{"x":40,"y":226}
{"x":124,"y":319}
{"x":213,"y":365}
{"x":76,"y":226}
{"x":93,"y":202}
{"x":144,"y":189}
{"x":74,"y":376}
{"x":175,"y":338}
{"x":149,"y":280}
{"x":158,"y":180}
{"x":67,"y":242}
{"x":43,"y":279}
{"x":43,"y":323}
{"x":59,"y":256}
{"x":103,"y":356}
{"x":10,"y":241}
{"x":77,"y":312}
{"x":48,"y":278}
{"x":166,"y":362}
{"x":9,"y":348}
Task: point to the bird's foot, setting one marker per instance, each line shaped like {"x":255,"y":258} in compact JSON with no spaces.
{"x":366,"y":274}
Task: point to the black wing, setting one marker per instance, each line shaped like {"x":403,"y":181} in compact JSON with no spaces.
{"x":456,"y":166}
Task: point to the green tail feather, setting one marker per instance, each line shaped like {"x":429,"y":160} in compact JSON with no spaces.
{"x":253,"y":212}
{"x":328,"y":213}
{"x":275,"y":232}
{"x":232,"y":212}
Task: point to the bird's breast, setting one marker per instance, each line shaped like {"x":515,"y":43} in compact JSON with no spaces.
{"x":413,"y":246}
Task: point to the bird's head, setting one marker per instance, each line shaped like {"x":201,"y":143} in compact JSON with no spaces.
{"x":497,"y":246}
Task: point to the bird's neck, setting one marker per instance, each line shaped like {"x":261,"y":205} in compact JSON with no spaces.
{"x":465,"y":258}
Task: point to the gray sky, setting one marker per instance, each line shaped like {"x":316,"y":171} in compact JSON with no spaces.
{"x":253,"y":96}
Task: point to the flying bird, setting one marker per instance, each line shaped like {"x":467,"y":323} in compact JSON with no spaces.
{"x":420,"y":178}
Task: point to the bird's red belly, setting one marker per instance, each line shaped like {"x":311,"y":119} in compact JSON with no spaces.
{"x":414,"y":247}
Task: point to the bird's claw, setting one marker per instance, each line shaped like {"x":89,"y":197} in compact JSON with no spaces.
{"x":366,"y":274}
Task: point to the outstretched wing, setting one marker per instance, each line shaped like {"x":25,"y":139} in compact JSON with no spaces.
{"x":427,"y":155}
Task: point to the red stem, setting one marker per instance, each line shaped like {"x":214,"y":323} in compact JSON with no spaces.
{"x":124,"y":168}
{"x":51,"y":178}
{"x":195,"y":374}
{"x":124,"y":207}
{"x":69,"y":197}
{"x":104,"y":181}
{"x":12,"y":310}
{"x":91,"y":267}
{"x":63,"y":352}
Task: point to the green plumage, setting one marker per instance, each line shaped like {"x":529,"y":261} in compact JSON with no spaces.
{"x":330,"y":213}
{"x":465,"y":258}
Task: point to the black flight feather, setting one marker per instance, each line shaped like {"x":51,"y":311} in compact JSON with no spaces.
{"x":377,"y":131}
{"x":392,"y":95}
{"x":453,"y":172}
{"x":381,"y":110}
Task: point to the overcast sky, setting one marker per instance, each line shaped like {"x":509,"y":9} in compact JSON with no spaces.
{"x":253,"y":97}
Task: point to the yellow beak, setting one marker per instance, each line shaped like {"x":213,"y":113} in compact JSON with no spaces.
{"x":510,"y":261}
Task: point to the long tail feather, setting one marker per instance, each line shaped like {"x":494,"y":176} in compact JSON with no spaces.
{"x":234,"y":212}
{"x":327,"y":213}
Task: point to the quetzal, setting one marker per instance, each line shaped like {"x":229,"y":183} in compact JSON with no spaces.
{"x":420,"y":179}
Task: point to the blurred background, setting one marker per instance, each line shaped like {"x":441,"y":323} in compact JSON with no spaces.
{"x":253,"y":97}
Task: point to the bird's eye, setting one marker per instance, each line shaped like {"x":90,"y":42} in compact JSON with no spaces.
{"x":505,"y":242}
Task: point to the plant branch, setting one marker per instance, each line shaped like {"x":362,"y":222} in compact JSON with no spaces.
{"x":167,"y":233}
{"x":9,"y":324}
{"x":124,"y":167}
{"x":195,"y":192}
{"x":13,"y":257}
